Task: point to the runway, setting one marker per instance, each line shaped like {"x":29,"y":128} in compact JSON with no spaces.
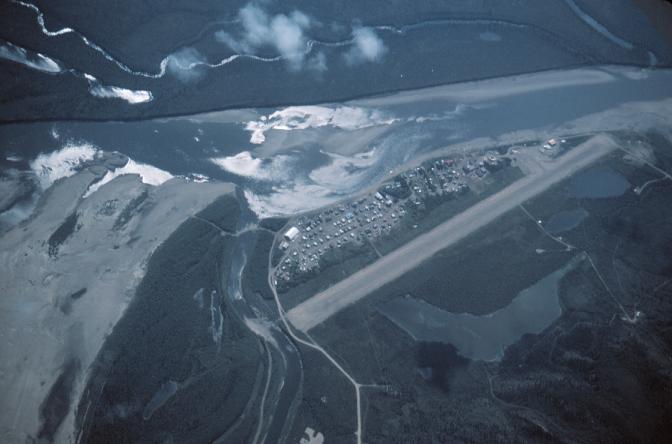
{"x":323,"y":305}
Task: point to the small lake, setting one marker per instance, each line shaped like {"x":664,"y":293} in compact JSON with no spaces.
{"x":597,"y":183}
{"x":481,"y":337}
{"x":565,"y":220}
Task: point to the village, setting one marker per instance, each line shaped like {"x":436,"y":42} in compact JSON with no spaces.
{"x":369,"y":217}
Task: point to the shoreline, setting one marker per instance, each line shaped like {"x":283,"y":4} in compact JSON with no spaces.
{"x":340,"y":100}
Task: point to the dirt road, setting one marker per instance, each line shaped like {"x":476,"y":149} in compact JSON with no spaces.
{"x":391,"y":266}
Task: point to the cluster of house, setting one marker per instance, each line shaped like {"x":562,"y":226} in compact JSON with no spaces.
{"x":367,"y":218}
{"x":354,"y":222}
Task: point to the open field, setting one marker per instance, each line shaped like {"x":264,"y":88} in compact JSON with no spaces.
{"x":323,"y":305}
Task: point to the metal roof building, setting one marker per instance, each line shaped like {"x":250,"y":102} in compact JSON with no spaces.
{"x":291,"y":234}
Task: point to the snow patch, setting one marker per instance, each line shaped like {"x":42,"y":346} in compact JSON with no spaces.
{"x":34,"y":60}
{"x":293,"y":193}
{"x":324,"y":185}
{"x":288,"y":200}
{"x":312,"y":436}
{"x":344,"y":172}
{"x":244,"y":164}
{"x":197,"y":178}
{"x":133,"y":97}
{"x":149,"y":174}
{"x":304,"y":117}
{"x":62,"y":163}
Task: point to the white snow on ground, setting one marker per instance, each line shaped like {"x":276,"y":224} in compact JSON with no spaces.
{"x":40,"y":62}
{"x":312,"y":436}
{"x":246,"y":165}
{"x":62,"y":163}
{"x":242,"y":164}
{"x":133,"y":97}
{"x":9,"y":51}
{"x":289,"y":200}
{"x":304,"y":117}
{"x":289,"y":194}
{"x":65,"y":162}
{"x":149,"y":174}
{"x":197,"y":178}
{"x":344,"y":172}
{"x":294,"y":193}
{"x":298,"y":190}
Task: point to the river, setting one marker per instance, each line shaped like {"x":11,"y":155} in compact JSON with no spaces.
{"x":257,"y":316}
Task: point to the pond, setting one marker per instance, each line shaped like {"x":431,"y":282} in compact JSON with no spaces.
{"x":481,"y":337}
{"x":565,"y":220}
{"x":597,"y":183}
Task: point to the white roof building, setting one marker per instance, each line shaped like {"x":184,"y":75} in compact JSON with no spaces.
{"x":291,"y":234}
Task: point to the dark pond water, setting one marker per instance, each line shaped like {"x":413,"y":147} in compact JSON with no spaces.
{"x":597,"y":183}
{"x":481,"y":337}
{"x":565,"y":220}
